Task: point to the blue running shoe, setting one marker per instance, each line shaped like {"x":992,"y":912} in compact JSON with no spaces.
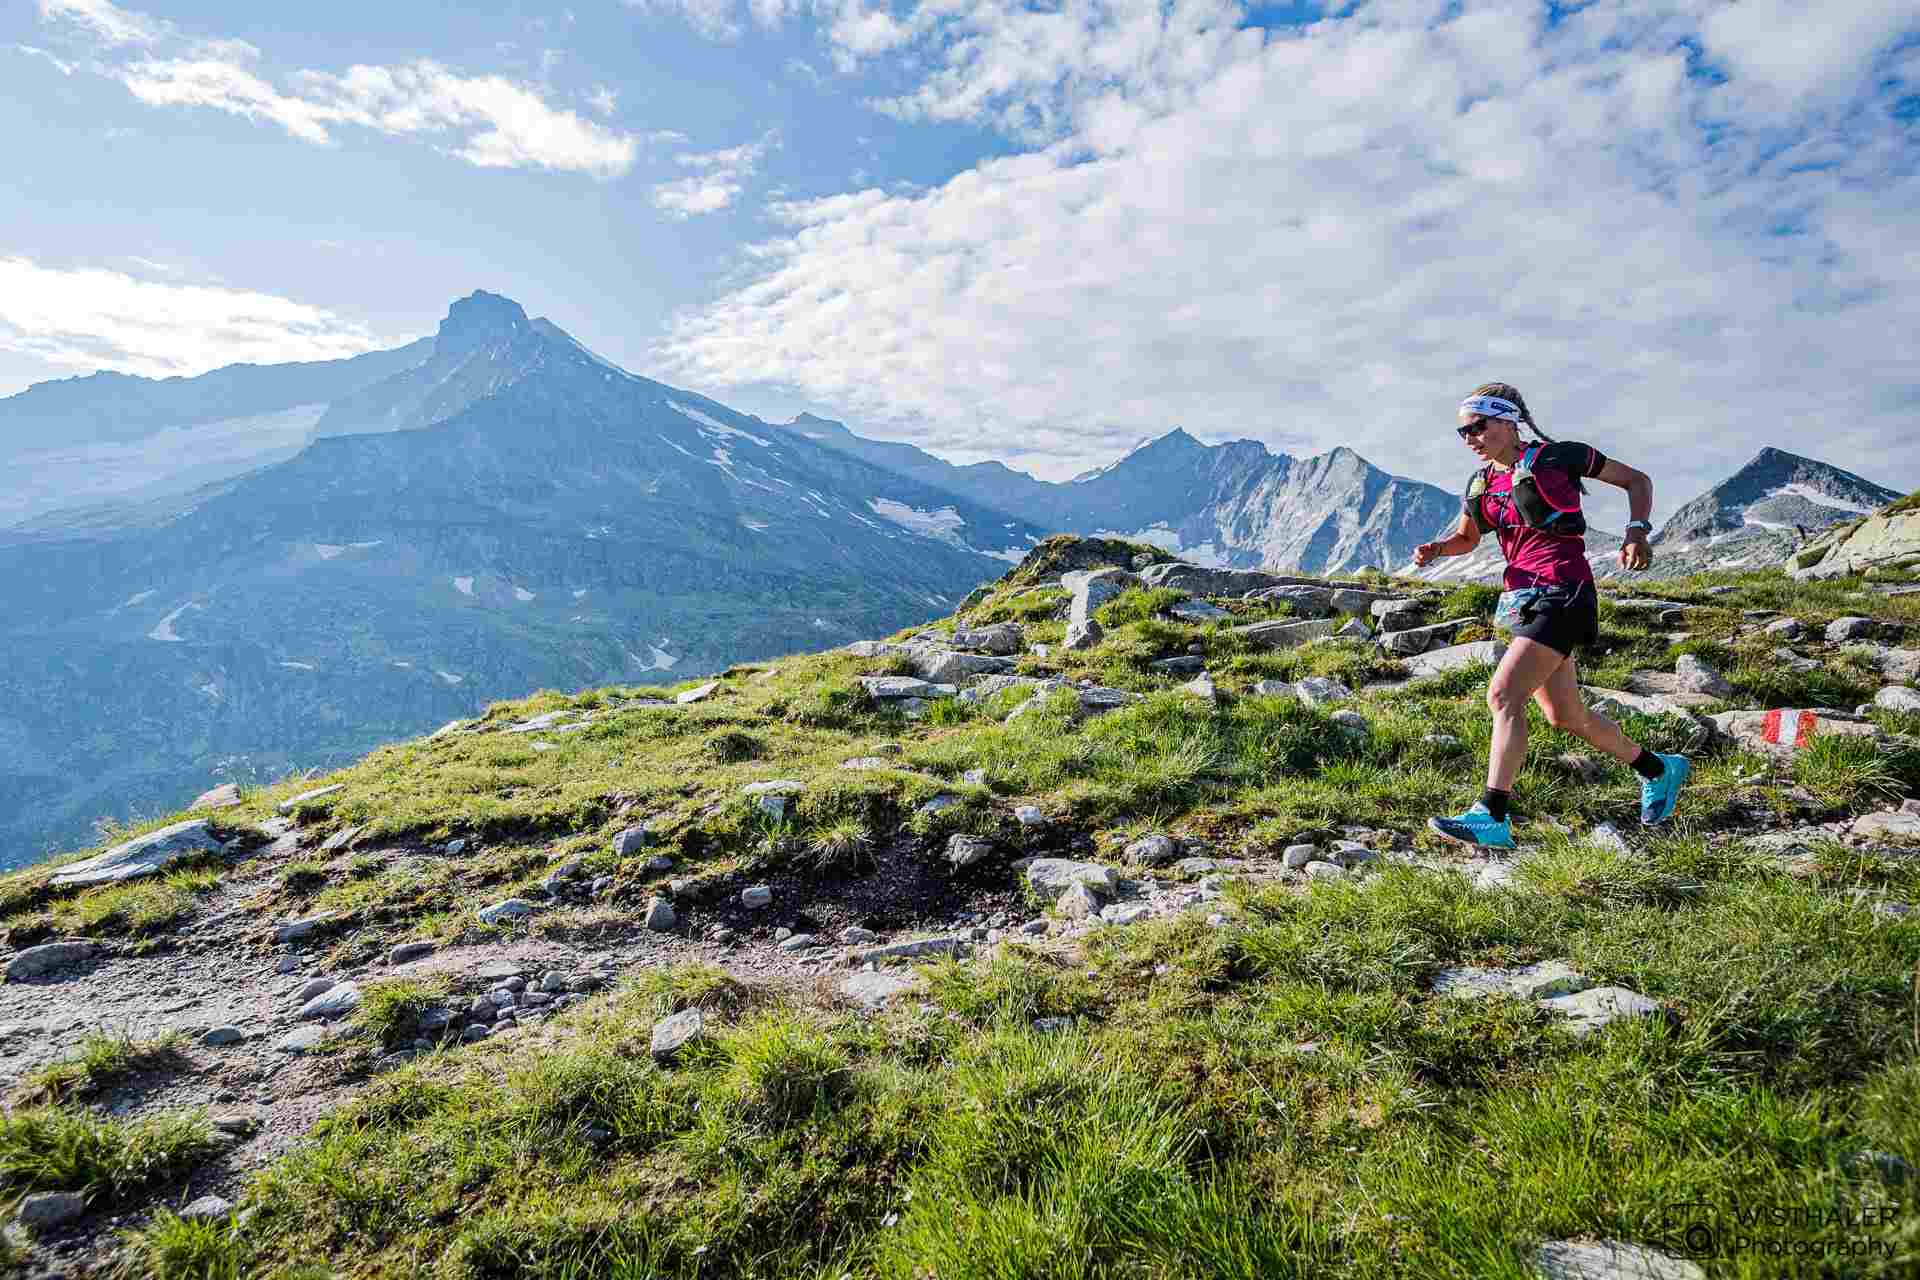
{"x":1658,"y":797}
{"x":1475,"y":827}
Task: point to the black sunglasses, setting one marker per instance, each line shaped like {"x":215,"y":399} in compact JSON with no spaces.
{"x":1473,"y":429}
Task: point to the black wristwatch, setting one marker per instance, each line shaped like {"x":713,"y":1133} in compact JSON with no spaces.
{"x":1645,"y":526}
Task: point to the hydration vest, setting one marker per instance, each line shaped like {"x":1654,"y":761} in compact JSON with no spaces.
{"x":1535,"y":509}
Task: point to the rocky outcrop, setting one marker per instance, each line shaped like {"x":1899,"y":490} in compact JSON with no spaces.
{"x":142,"y":855}
{"x":1889,"y":540}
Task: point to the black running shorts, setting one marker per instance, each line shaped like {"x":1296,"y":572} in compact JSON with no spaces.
{"x":1564,"y":625}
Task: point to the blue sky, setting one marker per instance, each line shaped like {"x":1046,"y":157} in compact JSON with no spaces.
{"x":1036,"y":232}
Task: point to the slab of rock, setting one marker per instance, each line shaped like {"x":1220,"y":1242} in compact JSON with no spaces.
{"x":872,"y":991}
{"x":1669,"y":689}
{"x":1784,"y":628}
{"x":142,"y":855}
{"x":342,"y":998}
{"x":207,"y":1208}
{"x":914,"y":949}
{"x":1297,"y":856}
{"x":755,"y":897}
{"x":660,"y":915}
{"x":308,"y":797}
{"x":1317,"y":691}
{"x":1849,"y":628}
{"x":1082,"y":635}
{"x":1352,"y":723}
{"x":1001,"y":638}
{"x":1152,"y":851}
{"x":1318,"y":870}
{"x":1534,"y":982}
{"x":875,"y":649}
{"x":1454,"y":656}
{"x":1898,"y":697}
{"x":539,"y":722}
{"x":674,"y":1033}
{"x":1596,"y":1007}
{"x":1274,"y":689}
{"x":1282,"y":634}
{"x":1198,"y":611}
{"x":1414,"y":640}
{"x":1891,"y":824}
{"x":45,"y":1210}
{"x":1050,"y":876}
{"x":1900,"y":666}
{"x":1099,"y":700}
{"x":1353,"y":629}
{"x":1306,"y":601}
{"x":295,"y":930}
{"x":1078,"y":902}
{"x":510,"y":909}
{"x":1609,"y":1260}
{"x":224,"y":796}
{"x":948,"y":667}
{"x":50,"y":957}
{"x":218,"y":1036}
{"x":303,"y":1039}
{"x":1124,"y":913}
{"x":1696,"y":676}
{"x":1185,"y":665}
{"x":339,"y":839}
{"x":700,"y":693}
{"x":1202,"y":687}
{"x":1783,"y":731}
{"x":890,"y":688}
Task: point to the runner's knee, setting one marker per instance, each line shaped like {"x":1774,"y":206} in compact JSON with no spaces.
{"x":1503,"y":699}
{"x":1567,"y":719}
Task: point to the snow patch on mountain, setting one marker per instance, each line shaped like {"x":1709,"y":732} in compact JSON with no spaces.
{"x":709,"y":420}
{"x":1168,"y":539}
{"x":463,"y":585}
{"x":163,"y":630}
{"x":942,"y":525}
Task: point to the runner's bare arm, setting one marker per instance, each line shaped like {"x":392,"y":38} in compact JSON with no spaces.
{"x":1636,"y":552}
{"x":1464,"y":538}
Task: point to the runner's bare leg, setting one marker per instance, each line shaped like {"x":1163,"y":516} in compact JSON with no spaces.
{"x":1526,"y":668}
{"x":1559,"y":700}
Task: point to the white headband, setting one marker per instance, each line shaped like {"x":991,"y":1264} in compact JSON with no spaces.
{"x":1492,"y":407}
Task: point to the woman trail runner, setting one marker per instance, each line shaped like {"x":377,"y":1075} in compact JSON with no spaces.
{"x":1528,"y":495}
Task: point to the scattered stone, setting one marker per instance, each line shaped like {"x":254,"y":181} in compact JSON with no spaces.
{"x":1000,"y":638}
{"x":965,"y":850}
{"x":553,"y":981}
{"x":1455,"y":656}
{"x":456,"y":847}
{"x":1534,"y":982}
{"x":1784,"y":628}
{"x":940,"y":803}
{"x":1784,"y":731}
{"x":1595,"y":1007}
{"x":295,"y":930}
{"x":339,"y":839}
{"x":49,"y":957}
{"x":207,"y":1208}
{"x":799,"y":942}
{"x":1324,"y":871}
{"x":699,"y":693}
{"x":672,"y":1034}
{"x":1299,"y":855}
{"x":510,"y":909}
{"x":632,"y":841}
{"x":1202,"y":686}
{"x":219,"y":1036}
{"x":476,"y":1032}
{"x":1035,"y":928}
{"x":224,"y":796}
{"x":1416,"y":640}
{"x":45,"y":1210}
{"x":1317,"y":691}
{"x":1185,"y":665}
{"x":407,"y":952}
{"x":1091,"y":588}
{"x":854,"y":936}
{"x":1131,"y":913}
{"x":1028,"y":815}
{"x":660,"y":915}
{"x":334,"y":1001}
{"x":1609,"y":1260}
{"x":1051,"y":876}
{"x":1198,"y":611}
{"x":872,"y":991}
{"x":1890,"y":824}
{"x":1274,"y":689}
{"x":1696,"y":676}
{"x":1351,"y":853}
{"x":302,"y":1039}
{"x":308,"y":797}
{"x":1898,"y":697}
{"x":142,"y":855}
{"x":1152,"y":851}
{"x":755,"y":897}
{"x":1849,"y":628}
{"x":1078,"y":902}
{"x":913,"y":949}
{"x":1351,"y":723}
{"x":1083,"y":635}
{"x":1099,"y":700}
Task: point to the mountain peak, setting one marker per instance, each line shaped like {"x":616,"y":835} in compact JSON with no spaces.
{"x":1779,"y":491}
{"x":478,"y":319}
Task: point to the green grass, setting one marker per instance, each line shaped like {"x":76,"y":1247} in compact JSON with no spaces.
{"x":1282,"y":1096}
{"x":107,"y":1160}
{"x":389,"y":1010}
{"x":103,"y":1060}
{"x":170,"y":1247}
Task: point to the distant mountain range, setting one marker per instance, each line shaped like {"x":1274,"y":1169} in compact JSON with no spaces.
{"x":271,"y":567}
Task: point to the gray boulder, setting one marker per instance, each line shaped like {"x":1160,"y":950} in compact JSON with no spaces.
{"x":510,"y":909}
{"x":660,"y":915}
{"x":408,"y":952}
{"x":672,"y":1034}
{"x":945,"y":666}
{"x":1317,"y":691}
{"x":1609,"y":1260}
{"x":1083,"y":634}
{"x":1415,"y":640}
{"x":1197,"y":611}
{"x":632,"y":841}
{"x":1785,"y":628}
{"x":1696,"y":676}
{"x":755,"y":897}
{"x":50,"y":957}
{"x":1051,"y":876}
{"x":1454,"y":656}
{"x":142,"y":855}
{"x":338,"y":1000}
{"x":1282,"y":634}
{"x":224,"y":796}
{"x":1897,"y":697}
{"x":1152,"y":851}
{"x":1001,"y":638}
{"x":1849,"y":628}
{"x":872,"y":991}
{"x":1078,"y":902}
{"x":896,"y":688}
{"x":965,"y":850}
{"x":308,"y":797}
{"x":1092,"y":588}
{"x":1203,"y":581}
{"x":45,"y":1210}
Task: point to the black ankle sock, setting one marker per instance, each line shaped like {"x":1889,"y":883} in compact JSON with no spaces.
{"x":1648,"y":765}
{"x":1496,"y":803}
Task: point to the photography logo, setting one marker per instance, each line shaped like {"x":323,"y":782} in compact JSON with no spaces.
{"x":1727,"y":1229}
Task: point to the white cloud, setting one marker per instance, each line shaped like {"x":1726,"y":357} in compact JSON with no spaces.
{"x":603,"y":100}
{"x":487,"y":120}
{"x":106,"y":22}
{"x":61,"y":65}
{"x":1326,"y":236}
{"x":711,"y":18}
{"x":722,"y":177}
{"x":91,"y":318}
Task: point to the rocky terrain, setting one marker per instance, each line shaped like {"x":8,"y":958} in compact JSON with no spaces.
{"x":1096,"y":921}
